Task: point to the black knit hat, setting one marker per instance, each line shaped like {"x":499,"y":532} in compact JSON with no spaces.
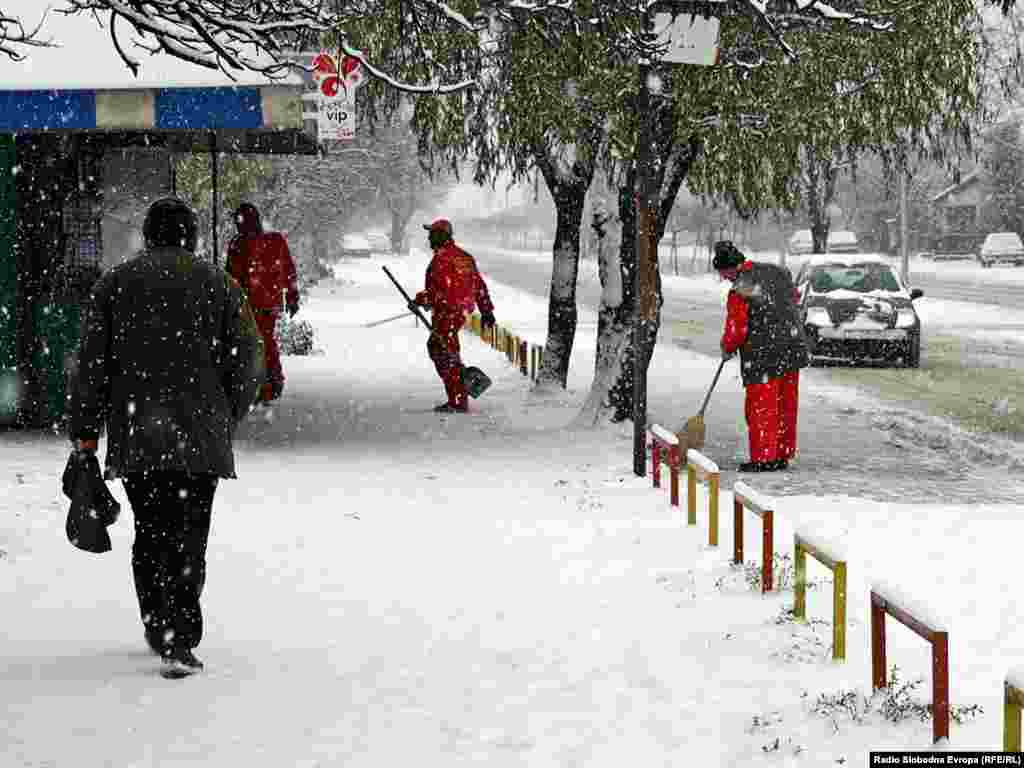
{"x":727,"y":255}
{"x":170,"y":221}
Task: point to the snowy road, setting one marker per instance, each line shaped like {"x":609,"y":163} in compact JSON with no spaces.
{"x":884,"y":449}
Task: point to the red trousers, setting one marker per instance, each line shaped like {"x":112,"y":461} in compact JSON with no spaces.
{"x":444,"y":351}
{"x":266,"y":321}
{"x":771,"y":410}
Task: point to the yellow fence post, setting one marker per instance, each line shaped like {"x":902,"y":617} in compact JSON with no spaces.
{"x":713,"y":511}
{"x":839,"y":611}
{"x":799,"y":579}
{"x":699,"y":468}
{"x":1013,"y":702}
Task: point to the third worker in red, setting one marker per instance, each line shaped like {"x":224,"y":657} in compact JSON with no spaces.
{"x":453,"y":287}
{"x":763,"y":325}
{"x":263,"y":266}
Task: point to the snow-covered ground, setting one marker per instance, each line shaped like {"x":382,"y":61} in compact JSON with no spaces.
{"x":390,"y":587}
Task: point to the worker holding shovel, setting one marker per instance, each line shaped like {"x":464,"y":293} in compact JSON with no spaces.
{"x":763,"y":325}
{"x":453,"y":287}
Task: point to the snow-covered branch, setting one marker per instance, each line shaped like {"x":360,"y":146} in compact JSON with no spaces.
{"x":234,"y":36}
{"x":14,"y":36}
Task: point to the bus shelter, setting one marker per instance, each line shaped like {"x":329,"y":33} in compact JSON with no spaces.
{"x":63,"y":112}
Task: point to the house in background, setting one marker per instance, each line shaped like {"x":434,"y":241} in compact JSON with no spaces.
{"x":958,"y":213}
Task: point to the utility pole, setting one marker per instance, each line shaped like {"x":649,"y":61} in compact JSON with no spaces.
{"x":647,"y":194}
{"x":645,"y":300}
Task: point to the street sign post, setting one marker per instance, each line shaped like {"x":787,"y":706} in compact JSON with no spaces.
{"x":690,"y":39}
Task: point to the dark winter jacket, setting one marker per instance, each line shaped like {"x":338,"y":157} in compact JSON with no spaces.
{"x":763,"y":323}
{"x":169,"y":363}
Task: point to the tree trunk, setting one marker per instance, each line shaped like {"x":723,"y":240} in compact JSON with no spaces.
{"x":398,"y":220}
{"x":615,"y":318}
{"x":569,"y":198}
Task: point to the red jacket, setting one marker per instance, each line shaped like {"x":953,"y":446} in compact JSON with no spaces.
{"x":454,"y":283}
{"x":263,"y":266}
{"x":736,"y":317}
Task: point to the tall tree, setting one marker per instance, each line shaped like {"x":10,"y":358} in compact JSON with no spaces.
{"x":1003,"y":179}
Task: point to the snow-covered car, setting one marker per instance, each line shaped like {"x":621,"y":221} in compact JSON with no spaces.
{"x":858,"y":309}
{"x":1001,"y":247}
{"x":801,"y":243}
{"x":355,"y":246}
{"x":379,"y":242}
{"x":843,"y":241}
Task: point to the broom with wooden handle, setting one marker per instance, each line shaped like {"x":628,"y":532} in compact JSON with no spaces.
{"x":693,"y":433}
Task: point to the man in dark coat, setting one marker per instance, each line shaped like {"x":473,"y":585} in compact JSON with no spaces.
{"x":762,"y":323}
{"x":169,"y":363}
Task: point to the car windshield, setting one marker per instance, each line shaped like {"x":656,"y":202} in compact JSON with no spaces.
{"x":862,"y":278}
{"x":1003,"y":240}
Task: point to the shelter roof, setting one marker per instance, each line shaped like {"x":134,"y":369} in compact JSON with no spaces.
{"x":83,"y":85}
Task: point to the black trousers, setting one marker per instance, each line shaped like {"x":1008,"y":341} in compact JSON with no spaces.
{"x":172,"y":525}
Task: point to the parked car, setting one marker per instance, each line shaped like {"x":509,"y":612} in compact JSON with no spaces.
{"x":379,"y":242}
{"x":839,"y":241}
{"x":858,"y":309}
{"x":801,"y":243}
{"x":355,"y":246}
{"x":1001,"y":247}
{"x":842,"y":241}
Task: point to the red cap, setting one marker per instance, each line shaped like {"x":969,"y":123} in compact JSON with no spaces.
{"x":441,"y":224}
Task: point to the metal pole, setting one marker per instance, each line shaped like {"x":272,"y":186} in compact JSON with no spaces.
{"x":904,"y":255}
{"x":216,"y":212}
{"x":646,"y":259}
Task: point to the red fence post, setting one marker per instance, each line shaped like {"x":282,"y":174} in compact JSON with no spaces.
{"x":877,"y":642}
{"x":940,"y":685}
{"x":656,"y":462}
{"x":767,"y":554}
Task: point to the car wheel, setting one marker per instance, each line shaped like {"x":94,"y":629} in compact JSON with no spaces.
{"x":913,"y":357}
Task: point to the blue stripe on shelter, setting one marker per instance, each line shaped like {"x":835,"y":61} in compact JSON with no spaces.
{"x":47,"y":110}
{"x":206,"y":108}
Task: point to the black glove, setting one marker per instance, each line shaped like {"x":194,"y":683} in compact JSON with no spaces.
{"x":487,"y":320}
{"x":292,"y":309}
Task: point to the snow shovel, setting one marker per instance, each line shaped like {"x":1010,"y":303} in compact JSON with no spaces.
{"x":693,"y":433}
{"x":475,"y":380}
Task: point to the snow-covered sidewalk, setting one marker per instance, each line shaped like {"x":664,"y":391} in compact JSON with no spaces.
{"x":389,"y":587}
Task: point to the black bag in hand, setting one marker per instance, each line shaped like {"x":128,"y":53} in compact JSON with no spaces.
{"x":93,"y":507}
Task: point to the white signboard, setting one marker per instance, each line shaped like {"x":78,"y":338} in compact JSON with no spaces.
{"x":336,"y":101}
{"x":691,"y":39}
{"x":336,"y":118}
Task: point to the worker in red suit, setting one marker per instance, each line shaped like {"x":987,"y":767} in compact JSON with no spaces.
{"x":263,"y":266}
{"x":453,"y":288}
{"x":763,"y":325}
